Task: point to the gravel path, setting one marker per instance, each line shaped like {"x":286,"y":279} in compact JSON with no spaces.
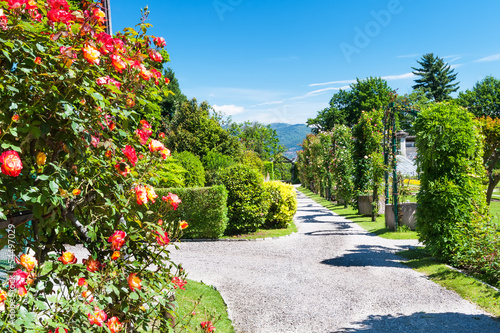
{"x":331,"y":276}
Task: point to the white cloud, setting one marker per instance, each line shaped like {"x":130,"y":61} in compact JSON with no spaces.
{"x":229,"y":110}
{"x":332,"y":82}
{"x":398,"y":77}
{"x":270,"y":103}
{"x":493,"y":57}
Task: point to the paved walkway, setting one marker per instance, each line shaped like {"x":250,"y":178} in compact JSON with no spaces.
{"x":332,"y":276}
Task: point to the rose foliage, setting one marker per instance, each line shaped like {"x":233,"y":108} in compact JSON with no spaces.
{"x":76,"y":158}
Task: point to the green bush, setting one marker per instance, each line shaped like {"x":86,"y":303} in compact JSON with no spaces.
{"x":452,"y":203}
{"x":252,"y":159}
{"x":215,"y":163}
{"x":170,"y":173}
{"x":247,"y":201}
{"x":283,"y":204}
{"x":189,"y":161}
{"x":203,"y":208}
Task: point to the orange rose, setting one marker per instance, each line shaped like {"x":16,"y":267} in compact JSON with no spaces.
{"x":114,"y":325}
{"x":118,"y":63}
{"x":38,"y":60}
{"x":134,"y":282}
{"x":41,"y":158}
{"x":184,"y":224}
{"x":117,"y":240}
{"x":150,"y":192}
{"x":92,"y":265}
{"x":27,"y":261}
{"x":15,"y":117}
{"x":67,"y":258}
{"x":141,"y":194}
{"x":91,"y":54}
{"x":3,"y":295}
{"x":98,"y":317}
{"x":11,"y":164}
{"x":165,"y":153}
{"x":115,"y":255}
{"x":76,"y":191}
{"x":155,"y":145}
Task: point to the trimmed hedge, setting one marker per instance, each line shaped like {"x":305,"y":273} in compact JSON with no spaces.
{"x":203,"y":208}
{"x":247,"y":202}
{"x":283,"y":205}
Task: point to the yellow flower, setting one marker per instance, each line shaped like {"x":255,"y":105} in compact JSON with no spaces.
{"x":41,"y":158}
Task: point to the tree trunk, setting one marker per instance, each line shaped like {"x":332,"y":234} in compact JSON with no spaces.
{"x":493,"y":182}
{"x":375,"y":203}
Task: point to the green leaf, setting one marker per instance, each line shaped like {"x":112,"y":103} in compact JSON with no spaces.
{"x":53,"y":186}
{"x":37,"y":210}
{"x":36,"y":131}
{"x":7,"y":146}
{"x":133,"y":295}
{"x":11,"y":88}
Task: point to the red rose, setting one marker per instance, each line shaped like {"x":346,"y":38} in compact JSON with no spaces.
{"x":11,"y":164}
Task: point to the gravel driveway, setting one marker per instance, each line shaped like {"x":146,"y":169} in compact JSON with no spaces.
{"x":331,"y":276}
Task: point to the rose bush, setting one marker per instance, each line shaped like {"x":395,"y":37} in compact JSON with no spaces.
{"x":77,"y":158}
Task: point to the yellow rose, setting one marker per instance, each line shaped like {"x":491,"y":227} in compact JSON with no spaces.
{"x":41,"y":158}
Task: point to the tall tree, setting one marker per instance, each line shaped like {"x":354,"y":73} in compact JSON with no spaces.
{"x":483,"y":99}
{"x":193,"y":128}
{"x":260,"y":138}
{"x":436,"y":78}
{"x":172,"y":103}
{"x":372,"y":93}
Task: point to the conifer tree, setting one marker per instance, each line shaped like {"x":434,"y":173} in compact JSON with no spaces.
{"x":436,"y":78}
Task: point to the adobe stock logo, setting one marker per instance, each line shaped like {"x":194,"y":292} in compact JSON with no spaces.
{"x":372,"y":29}
{"x":223,"y":6}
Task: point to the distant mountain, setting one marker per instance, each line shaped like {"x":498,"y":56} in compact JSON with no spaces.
{"x":291,"y":136}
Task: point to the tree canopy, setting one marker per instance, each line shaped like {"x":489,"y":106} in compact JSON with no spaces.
{"x":193,"y":128}
{"x":483,"y":99}
{"x":260,"y":138}
{"x":346,"y":105}
{"x":436,"y":78}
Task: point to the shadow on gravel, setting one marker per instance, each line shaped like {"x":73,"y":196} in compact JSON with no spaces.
{"x":422,"y":322}
{"x":315,"y":217}
{"x":367,"y":255}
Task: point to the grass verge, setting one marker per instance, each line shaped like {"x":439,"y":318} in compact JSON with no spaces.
{"x":469,"y":288}
{"x":266,"y":233}
{"x":199,"y":303}
{"x":378,"y":227}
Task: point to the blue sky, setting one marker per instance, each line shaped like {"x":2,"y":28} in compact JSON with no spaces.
{"x":281,"y":61}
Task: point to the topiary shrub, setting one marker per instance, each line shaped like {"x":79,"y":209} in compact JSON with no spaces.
{"x":283,"y":204}
{"x":452,"y":202}
{"x":247,"y":201}
{"x":189,"y":161}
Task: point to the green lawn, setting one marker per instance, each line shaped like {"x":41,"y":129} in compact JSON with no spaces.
{"x":467,"y":287}
{"x":266,"y":233}
{"x":199,"y":303}
{"x":377,"y":227}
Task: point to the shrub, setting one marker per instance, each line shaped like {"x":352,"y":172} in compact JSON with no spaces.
{"x":452,"y":203}
{"x":247,"y":201}
{"x":283,"y":204}
{"x":252,"y":159}
{"x":203,"y":208}
{"x":215,"y":163}
{"x":170,"y":174}
{"x":189,"y":161}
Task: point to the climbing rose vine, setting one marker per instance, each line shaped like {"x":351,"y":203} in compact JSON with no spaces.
{"x":77,"y":165}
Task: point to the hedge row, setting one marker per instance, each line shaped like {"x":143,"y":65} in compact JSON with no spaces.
{"x":203,"y":208}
